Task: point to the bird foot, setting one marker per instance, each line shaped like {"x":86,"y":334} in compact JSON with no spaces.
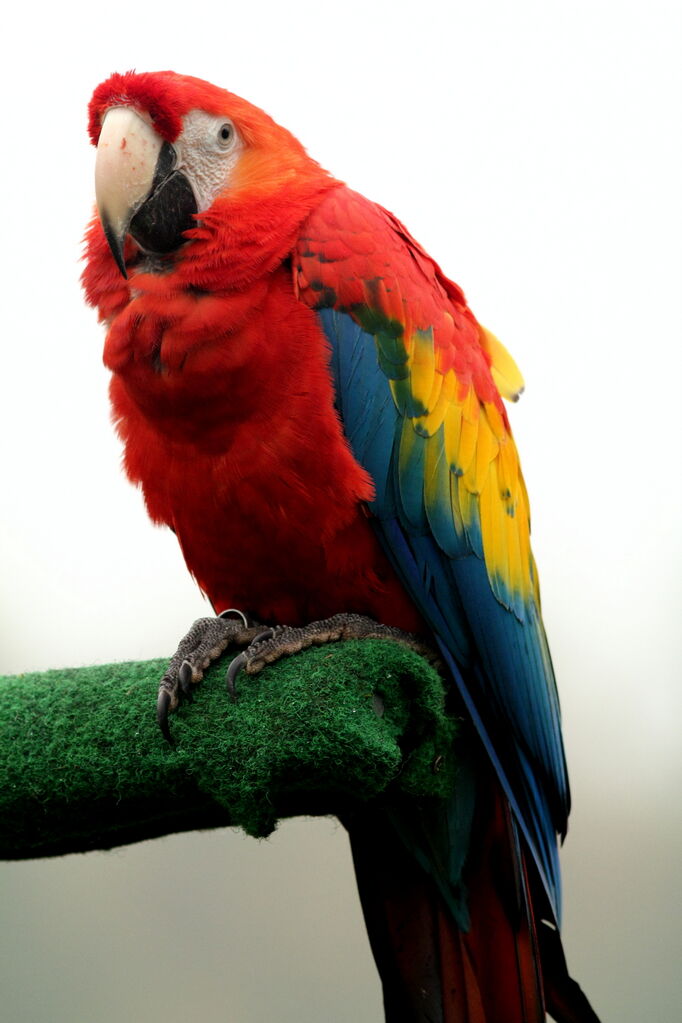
{"x":204,"y":643}
{"x":283,"y":641}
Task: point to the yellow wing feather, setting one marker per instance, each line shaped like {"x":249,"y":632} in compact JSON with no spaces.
{"x":470,"y":464}
{"x":505,"y":373}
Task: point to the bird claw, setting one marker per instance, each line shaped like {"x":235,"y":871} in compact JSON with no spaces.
{"x":246,"y":658}
{"x":284,"y":640}
{"x":163,"y":704}
{"x":210,"y":637}
{"x":185,"y":679}
{"x":204,"y":643}
{"x":239,"y":662}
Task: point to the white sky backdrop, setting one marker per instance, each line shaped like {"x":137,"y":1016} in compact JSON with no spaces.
{"x":534,"y":149}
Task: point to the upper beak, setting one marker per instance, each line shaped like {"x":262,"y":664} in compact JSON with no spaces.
{"x":127,"y":154}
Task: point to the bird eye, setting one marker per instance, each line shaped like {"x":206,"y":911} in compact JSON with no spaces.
{"x":225,"y":134}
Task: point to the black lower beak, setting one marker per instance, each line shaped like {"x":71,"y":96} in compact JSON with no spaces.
{"x":169,"y":209}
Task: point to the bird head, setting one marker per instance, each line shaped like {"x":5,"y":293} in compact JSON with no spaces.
{"x":171,"y":150}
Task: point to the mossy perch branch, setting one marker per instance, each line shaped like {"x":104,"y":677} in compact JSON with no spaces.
{"x":83,"y":765}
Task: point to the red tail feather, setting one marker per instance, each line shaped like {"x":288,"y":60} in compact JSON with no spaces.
{"x":431,"y":971}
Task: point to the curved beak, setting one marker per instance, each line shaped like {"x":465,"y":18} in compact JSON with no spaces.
{"x":127,"y":155}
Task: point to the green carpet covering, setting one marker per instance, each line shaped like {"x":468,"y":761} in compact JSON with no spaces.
{"x":83,"y":765}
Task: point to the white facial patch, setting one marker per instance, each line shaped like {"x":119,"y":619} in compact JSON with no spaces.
{"x":208,"y":150}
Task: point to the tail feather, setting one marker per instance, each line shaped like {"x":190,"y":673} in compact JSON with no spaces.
{"x":502,"y":939}
{"x":500,"y":968}
{"x":432,"y":971}
{"x":566,"y":1001}
{"x":425,"y":967}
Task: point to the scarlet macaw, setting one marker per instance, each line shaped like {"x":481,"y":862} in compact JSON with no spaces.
{"x":309,"y":403}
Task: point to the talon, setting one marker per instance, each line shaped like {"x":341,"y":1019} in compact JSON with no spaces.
{"x":235,"y":667}
{"x":262,"y":636}
{"x":162,"y":710}
{"x":185,"y":678}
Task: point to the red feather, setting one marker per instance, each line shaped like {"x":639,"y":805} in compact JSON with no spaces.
{"x":225,"y":407}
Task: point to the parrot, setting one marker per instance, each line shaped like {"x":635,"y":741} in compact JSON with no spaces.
{"x":310,"y":405}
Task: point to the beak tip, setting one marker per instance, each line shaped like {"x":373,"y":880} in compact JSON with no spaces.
{"x":116,"y":244}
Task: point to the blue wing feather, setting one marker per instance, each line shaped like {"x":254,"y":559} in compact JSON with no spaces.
{"x":499,"y":660}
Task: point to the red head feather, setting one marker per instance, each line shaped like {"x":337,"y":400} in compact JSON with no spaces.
{"x":167,"y":97}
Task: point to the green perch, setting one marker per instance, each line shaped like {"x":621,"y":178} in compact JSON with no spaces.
{"x":83,"y":765}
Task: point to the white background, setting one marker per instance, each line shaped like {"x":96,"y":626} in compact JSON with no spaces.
{"x":534,"y":149}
